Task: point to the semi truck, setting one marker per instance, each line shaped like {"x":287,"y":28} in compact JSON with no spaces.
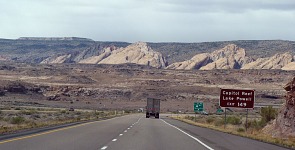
{"x":153,"y":108}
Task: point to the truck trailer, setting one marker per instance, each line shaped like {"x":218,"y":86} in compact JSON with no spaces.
{"x":153,"y":108}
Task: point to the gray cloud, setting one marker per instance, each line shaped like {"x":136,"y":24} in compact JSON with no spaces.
{"x":149,"y":20}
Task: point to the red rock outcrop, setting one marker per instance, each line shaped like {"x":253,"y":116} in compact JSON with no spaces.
{"x":284,"y":124}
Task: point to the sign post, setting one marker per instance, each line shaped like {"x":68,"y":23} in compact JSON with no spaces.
{"x":224,"y":118}
{"x":237,"y":99}
{"x":246,"y":121}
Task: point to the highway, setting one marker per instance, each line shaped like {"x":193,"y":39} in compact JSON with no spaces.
{"x":133,"y":132}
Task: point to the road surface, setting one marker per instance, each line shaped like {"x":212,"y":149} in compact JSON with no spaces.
{"x":133,"y":132}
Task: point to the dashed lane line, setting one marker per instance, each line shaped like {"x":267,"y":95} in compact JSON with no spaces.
{"x":114,"y":140}
{"x":52,"y":131}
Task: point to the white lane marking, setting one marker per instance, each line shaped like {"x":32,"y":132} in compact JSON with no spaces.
{"x":137,"y":121}
{"x":208,"y":147}
{"x":128,"y":128}
{"x":131,"y":126}
{"x":120,"y":134}
{"x":114,"y":140}
{"x":125,"y":131}
{"x":105,"y":147}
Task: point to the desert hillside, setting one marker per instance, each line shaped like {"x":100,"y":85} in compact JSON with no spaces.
{"x":272,"y":54}
{"x":234,"y":57}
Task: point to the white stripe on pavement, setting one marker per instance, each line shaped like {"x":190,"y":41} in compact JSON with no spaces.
{"x":208,"y":147}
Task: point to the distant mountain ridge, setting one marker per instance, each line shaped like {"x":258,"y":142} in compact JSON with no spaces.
{"x":234,"y":57}
{"x":55,"y":38}
{"x":248,"y":54}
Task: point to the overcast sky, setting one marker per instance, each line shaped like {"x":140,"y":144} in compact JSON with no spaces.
{"x":149,"y":20}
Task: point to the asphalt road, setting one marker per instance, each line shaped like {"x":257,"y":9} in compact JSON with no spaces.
{"x":133,"y":132}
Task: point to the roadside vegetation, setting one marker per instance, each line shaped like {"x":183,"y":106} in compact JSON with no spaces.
{"x":236,"y":124}
{"x":15,"y":119}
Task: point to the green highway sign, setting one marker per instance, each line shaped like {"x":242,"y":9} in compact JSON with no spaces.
{"x":219,"y":110}
{"x":198,"y":106}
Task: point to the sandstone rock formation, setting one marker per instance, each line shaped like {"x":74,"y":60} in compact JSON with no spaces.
{"x":277,"y":61}
{"x":234,"y":57}
{"x":229,"y":57}
{"x":222,"y":63}
{"x":57,"y":60}
{"x":195,"y":63}
{"x":138,"y":53}
{"x":284,"y":124}
{"x":289,"y":66}
{"x":96,"y":59}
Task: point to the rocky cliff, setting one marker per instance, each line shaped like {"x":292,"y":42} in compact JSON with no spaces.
{"x":138,"y":53}
{"x":96,"y":59}
{"x":278,"y":61}
{"x":229,"y":57}
{"x":284,"y":124}
{"x":196,"y":62}
{"x":234,"y":57}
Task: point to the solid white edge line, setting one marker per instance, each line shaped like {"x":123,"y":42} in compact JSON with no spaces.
{"x":105,"y":147}
{"x":208,"y":147}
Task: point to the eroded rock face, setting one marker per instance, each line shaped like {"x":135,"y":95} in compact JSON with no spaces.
{"x":284,"y":124}
{"x":229,"y":57}
{"x":289,"y":66}
{"x":196,"y":62}
{"x":277,"y":61}
{"x":57,"y":60}
{"x":138,"y":53}
{"x":96,"y":59}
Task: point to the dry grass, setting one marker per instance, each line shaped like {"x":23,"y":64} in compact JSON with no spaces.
{"x":27,"y":119}
{"x":237,"y":130}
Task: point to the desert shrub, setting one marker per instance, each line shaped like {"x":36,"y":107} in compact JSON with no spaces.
{"x":189,"y":117}
{"x":268,"y":114}
{"x":233,"y":120}
{"x":127,"y":111}
{"x":219,"y":122}
{"x":252,"y":124}
{"x":17,"y":120}
{"x":241,"y":130}
{"x":28,"y":112}
{"x":32,"y":124}
{"x":17,"y":108}
{"x":210,"y":120}
{"x":36,"y":116}
{"x":78,"y":113}
{"x":63,"y":111}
